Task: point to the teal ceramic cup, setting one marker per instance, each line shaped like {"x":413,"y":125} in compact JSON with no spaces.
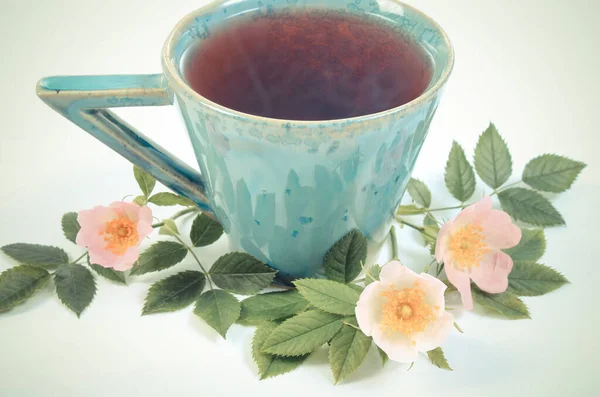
{"x":285,"y":191}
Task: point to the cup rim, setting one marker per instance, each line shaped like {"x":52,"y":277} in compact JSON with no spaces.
{"x":173,"y":74}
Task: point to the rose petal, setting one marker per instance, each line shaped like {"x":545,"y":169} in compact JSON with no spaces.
{"x":145,"y":214}
{"x":368,"y":307}
{"x":435,"y":334}
{"x":104,"y":258}
{"x":128,"y":259}
{"x":92,"y":222}
{"x":83,"y":237}
{"x":396,"y":344}
{"x":473,"y":212}
{"x":499,"y":231}
{"x":460,"y":279}
{"x":492,"y":274}
{"x":144,"y":229}
{"x":130,"y":210}
{"x":95,"y":218}
{"x":394,"y":273}
{"x":434,"y":290}
{"x":443,"y":239}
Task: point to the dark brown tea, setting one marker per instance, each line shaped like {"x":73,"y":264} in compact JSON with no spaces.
{"x":308,"y":65}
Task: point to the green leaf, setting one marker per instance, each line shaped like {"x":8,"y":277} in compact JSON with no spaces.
{"x":303,"y":333}
{"x":552,"y":173}
{"x":383,"y":355}
{"x":160,"y":256}
{"x":19,"y":284}
{"x":419,"y":192}
{"x":241,"y":273}
{"x":329,"y":296}
{"x":459,"y":175}
{"x":271,"y":306}
{"x":169,"y":228}
{"x":534,"y":279}
{"x":140,"y":200}
{"x":438,"y":359}
{"x":144,"y":180}
{"x":270,"y":365}
{"x":506,"y":304}
{"x":219,"y":309}
{"x":343,"y":260}
{"x":108,"y":273}
{"x":347,"y":351}
{"x":75,"y":287}
{"x":431,"y":229}
{"x":166,"y":199}
{"x":174,"y":292}
{"x":35,"y":254}
{"x":530,"y":248}
{"x":492,"y":158}
{"x":430,"y":220}
{"x":372,"y":274}
{"x":410,"y":209}
{"x":430,"y":233}
{"x":529,"y":206}
{"x":205,"y":231}
{"x":70,"y":226}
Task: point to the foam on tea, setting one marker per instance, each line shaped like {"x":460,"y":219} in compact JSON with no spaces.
{"x":307,"y":65}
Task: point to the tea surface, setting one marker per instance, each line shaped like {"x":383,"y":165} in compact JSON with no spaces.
{"x":309,"y":65}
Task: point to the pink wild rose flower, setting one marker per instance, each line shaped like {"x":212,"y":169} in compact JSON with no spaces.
{"x":470,"y":247}
{"x":113,"y":234}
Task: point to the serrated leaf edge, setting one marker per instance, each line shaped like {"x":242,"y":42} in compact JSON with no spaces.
{"x":202,"y":278}
{"x":340,"y":317}
{"x":325,"y":309}
{"x":19,"y":301}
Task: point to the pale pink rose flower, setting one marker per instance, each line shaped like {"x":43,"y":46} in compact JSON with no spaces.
{"x":113,"y":234}
{"x":470,"y":247}
{"x":404,"y":312}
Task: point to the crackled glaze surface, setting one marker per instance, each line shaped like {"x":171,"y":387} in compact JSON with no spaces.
{"x":286,"y":191}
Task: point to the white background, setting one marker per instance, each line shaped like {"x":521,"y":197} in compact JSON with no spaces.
{"x":530,"y":66}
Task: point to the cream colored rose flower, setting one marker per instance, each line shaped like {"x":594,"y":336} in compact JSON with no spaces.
{"x":404,"y":312}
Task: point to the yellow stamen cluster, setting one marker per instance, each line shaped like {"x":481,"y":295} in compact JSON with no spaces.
{"x":405,"y":310}
{"x":468,"y":247}
{"x":120,"y":234}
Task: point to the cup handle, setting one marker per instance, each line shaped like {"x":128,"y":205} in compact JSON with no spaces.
{"x":84,"y":100}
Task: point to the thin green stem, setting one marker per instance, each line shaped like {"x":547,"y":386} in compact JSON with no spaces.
{"x":197,"y":260}
{"x":78,"y":259}
{"x":426,"y":270}
{"x":503,"y":188}
{"x":416,"y":227}
{"x":177,"y":215}
{"x":463,"y":205}
{"x":411,"y":225}
{"x":446,"y":208}
{"x":394,"y":242}
{"x":367,"y":274}
{"x":352,"y":325}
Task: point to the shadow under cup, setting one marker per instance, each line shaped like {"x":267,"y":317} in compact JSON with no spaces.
{"x":285,"y":190}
